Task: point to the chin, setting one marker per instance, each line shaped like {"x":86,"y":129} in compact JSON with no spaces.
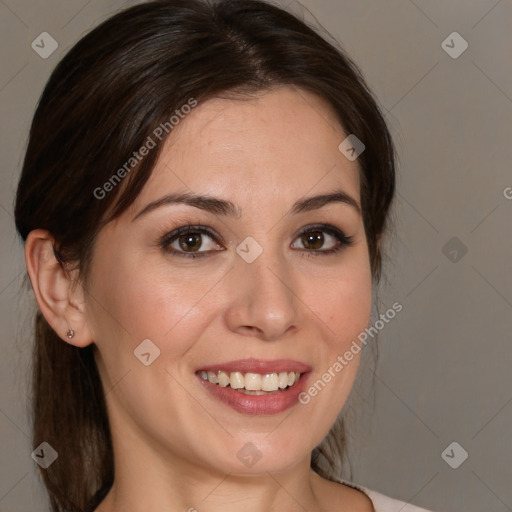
{"x":258,"y":455}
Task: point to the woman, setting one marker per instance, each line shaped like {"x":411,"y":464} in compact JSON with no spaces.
{"x":202,"y":202}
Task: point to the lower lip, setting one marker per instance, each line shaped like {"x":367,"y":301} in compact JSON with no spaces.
{"x":257,"y":404}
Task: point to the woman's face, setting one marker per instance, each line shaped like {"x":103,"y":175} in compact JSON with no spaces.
{"x":262,"y":283}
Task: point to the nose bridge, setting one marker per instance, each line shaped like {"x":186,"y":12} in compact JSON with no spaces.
{"x":264,"y":300}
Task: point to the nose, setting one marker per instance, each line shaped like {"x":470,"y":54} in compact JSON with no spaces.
{"x":263,"y":299}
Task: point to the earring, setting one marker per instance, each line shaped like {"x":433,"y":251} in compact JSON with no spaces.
{"x":70,"y":333}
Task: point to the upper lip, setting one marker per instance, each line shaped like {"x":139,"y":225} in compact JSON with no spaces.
{"x":258,"y":366}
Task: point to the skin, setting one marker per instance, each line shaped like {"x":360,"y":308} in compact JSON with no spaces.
{"x":176,"y":446}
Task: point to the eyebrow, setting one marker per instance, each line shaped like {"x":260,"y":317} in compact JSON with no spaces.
{"x":223,"y":207}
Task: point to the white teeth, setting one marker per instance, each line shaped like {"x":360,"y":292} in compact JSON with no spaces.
{"x":283,"y":380}
{"x":255,"y":383}
{"x":270,"y":382}
{"x":236,"y":380}
{"x":223,"y":379}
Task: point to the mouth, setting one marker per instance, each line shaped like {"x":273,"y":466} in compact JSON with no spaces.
{"x":252,"y":383}
{"x":255,"y":386}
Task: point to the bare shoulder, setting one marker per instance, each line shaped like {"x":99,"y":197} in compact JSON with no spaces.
{"x":337,"y":497}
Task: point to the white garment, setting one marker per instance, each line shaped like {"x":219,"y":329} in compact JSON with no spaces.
{"x":382,"y":503}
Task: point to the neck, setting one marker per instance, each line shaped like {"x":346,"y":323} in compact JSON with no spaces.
{"x":193,"y":489}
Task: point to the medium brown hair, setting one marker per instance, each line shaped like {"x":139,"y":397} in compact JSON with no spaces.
{"x":102,"y":101}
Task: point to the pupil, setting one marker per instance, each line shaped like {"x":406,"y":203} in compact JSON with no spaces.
{"x":190,"y":241}
{"x":313,"y":240}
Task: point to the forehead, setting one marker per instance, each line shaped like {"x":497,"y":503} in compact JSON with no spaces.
{"x":281,"y":143}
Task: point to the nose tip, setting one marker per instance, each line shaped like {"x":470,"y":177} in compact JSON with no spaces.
{"x":263,"y":303}
{"x":274,"y":325}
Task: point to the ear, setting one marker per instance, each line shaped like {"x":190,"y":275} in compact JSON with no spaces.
{"x":59,"y":295}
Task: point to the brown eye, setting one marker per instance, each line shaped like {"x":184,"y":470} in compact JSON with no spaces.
{"x":313,"y":240}
{"x":190,"y":242}
{"x":321,"y":239}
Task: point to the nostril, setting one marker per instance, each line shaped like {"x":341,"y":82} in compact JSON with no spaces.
{"x":250,"y":329}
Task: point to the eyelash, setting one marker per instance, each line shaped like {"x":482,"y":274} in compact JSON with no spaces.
{"x":168,"y":238}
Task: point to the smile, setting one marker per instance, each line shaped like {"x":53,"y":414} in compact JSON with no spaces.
{"x":255,"y":386}
{"x":252,"y":383}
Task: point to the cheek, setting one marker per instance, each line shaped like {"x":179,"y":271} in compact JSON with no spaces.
{"x":135,"y":302}
{"x":344,"y":305}
{"x":344,"y":308}
{"x":132,"y":301}
{"x":348,"y":305}
{"x":344,"y":301}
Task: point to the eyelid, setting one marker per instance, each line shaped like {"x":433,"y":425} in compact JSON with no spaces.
{"x":169,"y":237}
{"x":328,"y":228}
{"x":343,"y":239}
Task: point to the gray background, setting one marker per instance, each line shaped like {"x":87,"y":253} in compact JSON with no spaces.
{"x":444,"y":367}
